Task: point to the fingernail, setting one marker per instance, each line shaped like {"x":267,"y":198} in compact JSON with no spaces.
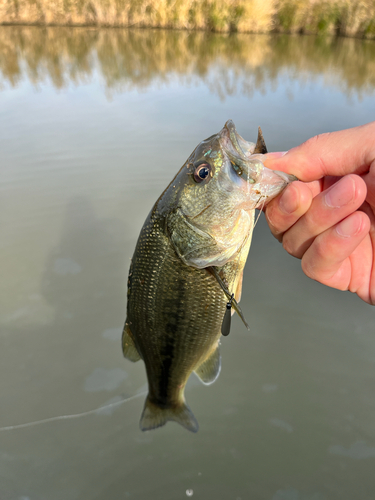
{"x":341,"y":193}
{"x":278,"y":154}
{"x":348,"y":227}
{"x":288,"y":202}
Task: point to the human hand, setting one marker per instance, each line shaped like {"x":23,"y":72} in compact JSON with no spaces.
{"x":328,"y":221}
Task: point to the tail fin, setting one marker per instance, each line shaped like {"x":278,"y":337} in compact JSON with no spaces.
{"x":153,"y":416}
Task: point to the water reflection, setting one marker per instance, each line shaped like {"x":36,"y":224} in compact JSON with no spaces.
{"x":137,"y":59}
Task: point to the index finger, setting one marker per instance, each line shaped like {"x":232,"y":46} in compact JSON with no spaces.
{"x":335,"y":153}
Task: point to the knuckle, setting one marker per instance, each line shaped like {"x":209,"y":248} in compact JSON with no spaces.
{"x":288,"y":244}
{"x":316,"y":140}
{"x":278,"y":235}
{"x":316,"y":143}
{"x":320,"y":249}
{"x":314,"y":262}
{"x":312,"y":222}
{"x":308,"y":268}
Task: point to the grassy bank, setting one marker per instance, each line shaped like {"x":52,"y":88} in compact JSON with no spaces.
{"x":343,"y":17}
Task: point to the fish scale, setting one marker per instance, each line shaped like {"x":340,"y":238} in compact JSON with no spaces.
{"x":188,"y":261}
{"x":170,"y":299}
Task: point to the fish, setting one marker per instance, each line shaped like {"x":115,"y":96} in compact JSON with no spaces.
{"x":187,"y":269}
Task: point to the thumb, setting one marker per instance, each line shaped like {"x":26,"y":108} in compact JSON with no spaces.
{"x":335,"y":153}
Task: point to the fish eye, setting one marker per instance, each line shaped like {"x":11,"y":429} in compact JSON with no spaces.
{"x":202,"y":171}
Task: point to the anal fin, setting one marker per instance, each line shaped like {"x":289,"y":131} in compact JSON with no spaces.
{"x":209,"y":370}
{"x":128,"y":346}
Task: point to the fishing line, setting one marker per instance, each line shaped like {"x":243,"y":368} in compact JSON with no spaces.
{"x":260,"y":210}
{"x":226,"y":324}
{"x":69,"y":417}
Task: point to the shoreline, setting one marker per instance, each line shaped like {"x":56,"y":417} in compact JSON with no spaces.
{"x":357,"y":36}
{"x":348,"y":18}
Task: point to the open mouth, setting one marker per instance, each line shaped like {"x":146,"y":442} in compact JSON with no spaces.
{"x":233,"y":143}
{"x":258,"y":182}
{"x":241,"y":151}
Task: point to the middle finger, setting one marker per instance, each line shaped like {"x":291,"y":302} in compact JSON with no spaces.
{"x":327,"y":209}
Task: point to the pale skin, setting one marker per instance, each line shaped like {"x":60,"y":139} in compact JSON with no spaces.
{"x":328,"y":220}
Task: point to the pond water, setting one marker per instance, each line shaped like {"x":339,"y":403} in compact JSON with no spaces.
{"x":93,"y":125}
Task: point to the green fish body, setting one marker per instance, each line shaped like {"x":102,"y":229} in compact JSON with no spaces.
{"x":202,"y":222}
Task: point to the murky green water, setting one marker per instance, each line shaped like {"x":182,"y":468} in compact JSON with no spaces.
{"x":93,"y":125}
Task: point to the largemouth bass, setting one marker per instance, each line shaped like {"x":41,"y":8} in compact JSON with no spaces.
{"x":189,"y":258}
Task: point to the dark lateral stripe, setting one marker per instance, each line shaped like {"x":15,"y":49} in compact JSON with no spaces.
{"x":175,"y":314}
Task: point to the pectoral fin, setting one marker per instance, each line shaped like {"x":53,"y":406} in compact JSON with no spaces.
{"x":238,"y":292}
{"x":209,"y":370}
{"x":128,"y":346}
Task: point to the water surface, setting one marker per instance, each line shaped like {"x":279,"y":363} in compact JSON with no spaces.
{"x":93,"y":125}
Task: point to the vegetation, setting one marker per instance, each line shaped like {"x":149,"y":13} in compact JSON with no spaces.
{"x":340,"y":17}
{"x":344,"y":17}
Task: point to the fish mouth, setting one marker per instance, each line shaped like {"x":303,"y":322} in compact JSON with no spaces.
{"x":271,"y":183}
{"x":261,"y":183}
{"x":287,"y":177}
{"x":240,"y":153}
{"x":233,"y":143}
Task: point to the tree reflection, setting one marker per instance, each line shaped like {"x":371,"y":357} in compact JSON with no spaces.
{"x":227,"y":64}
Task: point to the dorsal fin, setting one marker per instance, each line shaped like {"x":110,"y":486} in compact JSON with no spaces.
{"x":260,"y":146}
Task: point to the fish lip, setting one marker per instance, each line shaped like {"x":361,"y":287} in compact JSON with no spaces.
{"x":267,"y":182}
{"x":272,"y":183}
{"x":288,"y":178}
{"x":229,"y":134}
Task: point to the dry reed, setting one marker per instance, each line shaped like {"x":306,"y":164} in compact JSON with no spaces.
{"x":344,"y":17}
